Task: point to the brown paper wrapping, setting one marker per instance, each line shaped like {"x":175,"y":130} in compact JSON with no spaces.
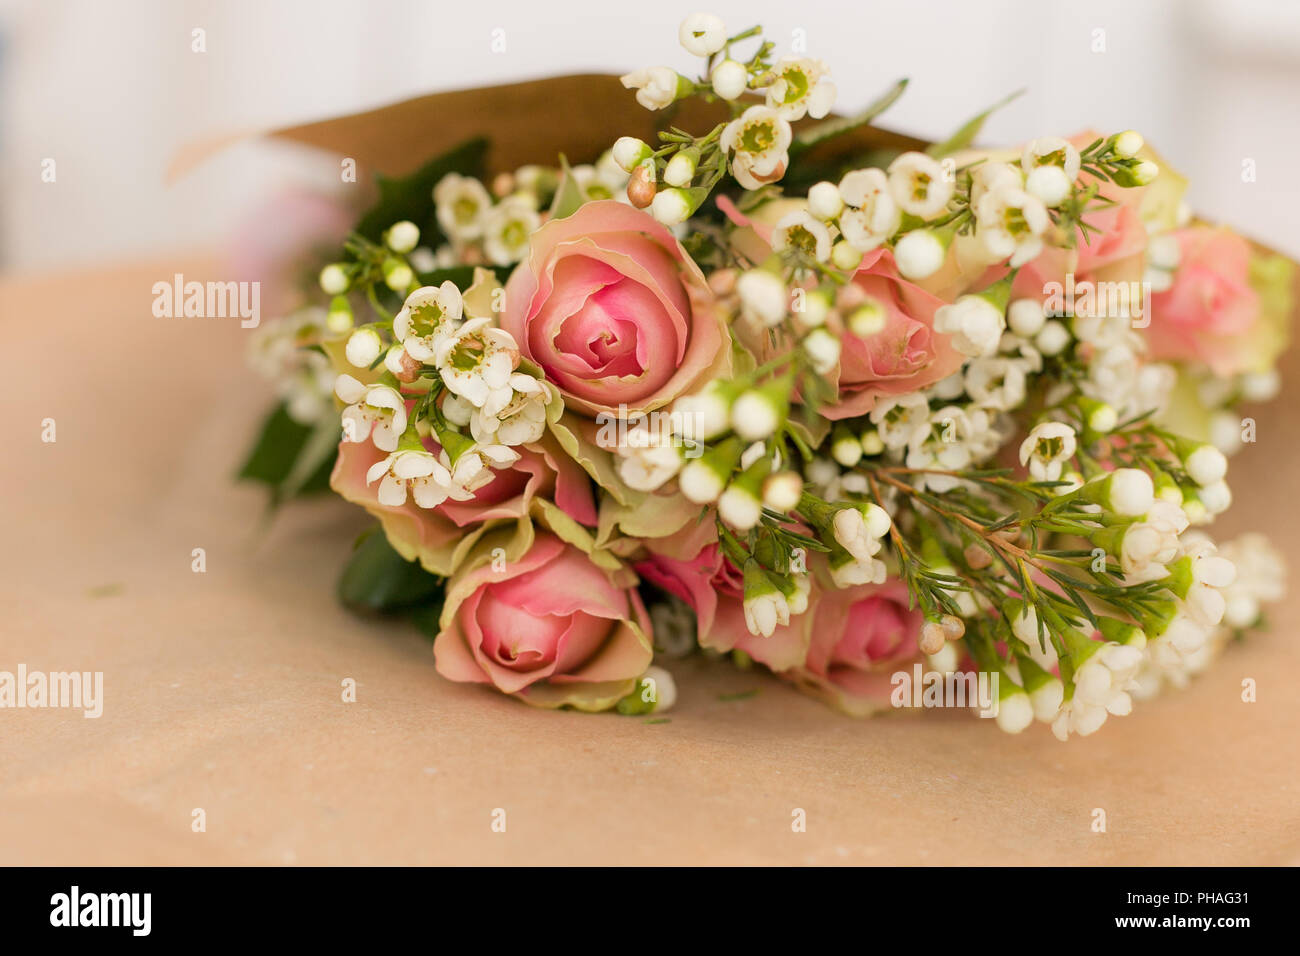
{"x":531,"y":122}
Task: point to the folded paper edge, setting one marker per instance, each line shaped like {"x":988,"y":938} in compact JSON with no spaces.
{"x":525,"y":121}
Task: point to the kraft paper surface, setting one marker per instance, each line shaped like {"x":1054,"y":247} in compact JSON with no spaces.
{"x":223,"y":689}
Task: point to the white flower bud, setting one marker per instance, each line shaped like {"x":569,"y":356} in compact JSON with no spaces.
{"x":665,"y":693}
{"x":847,"y":449}
{"x":781,"y":491}
{"x":363,"y":347}
{"x":398,"y":275}
{"x":403,"y":236}
{"x":1025,"y":625}
{"x":339,"y":318}
{"x":393,"y":362}
{"x":680,"y":170}
{"x":702,"y":34}
{"x":1131,"y":492}
{"x":1047,"y":699}
{"x":671,"y":206}
{"x":1196,"y":512}
{"x":816,"y":308}
{"x":1025,"y":317}
{"x":1048,"y":184}
{"x":1216,"y":497}
{"x":868,"y":319}
{"x":1260,"y":386}
{"x":1103,"y":418}
{"x":334,"y":279}
{"x":702,"y":416}
{"x":754,"y":417}
{"x":823,"y":350}
{"x":699,"y":483}
{"x":872,"y":443}
{"x":845,"y":257}
{"x":1015,"y":711}
{"x":1128,"y":143}
{"x":824,"y":201}
{"x":763,"y":295}
{"x":730,"y":79}
{"x":630,"y":152}
{"x":739,"y":508}
{"x":1206,"y":465}
{"x":1225,"y":432}
{"x":1053,"y":338}
{"x":919,"y":254}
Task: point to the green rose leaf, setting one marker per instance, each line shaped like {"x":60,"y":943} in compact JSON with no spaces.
{"x":969,"y":130}
{"x":425,"y":617}
{"x":377,"y":578}
{"x":568,"y":198}
{"x":839,"y":125}
{"x":291,"y":458}
{"x":411,"y":197}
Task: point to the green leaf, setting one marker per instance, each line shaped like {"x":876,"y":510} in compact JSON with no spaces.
{"x":461,"y":276}
{"x":426,"y":617}
{"x":969,"y":130}
{"x":842,"y":124}
{"x":568,"y":197}
{"x":411,"y":197}
{"x":311,"y":472}
{"x":292,"y":458}
{"x":377,"y":578}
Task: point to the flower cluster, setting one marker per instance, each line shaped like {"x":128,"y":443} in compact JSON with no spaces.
{"x":959,"y":408}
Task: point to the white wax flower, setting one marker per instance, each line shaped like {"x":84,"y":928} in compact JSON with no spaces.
{"x":974,"y":323}
{"x":801,"y":86}
{"x":656,"y":87}
{"x":759,"y":141}
{"x":372,"y":410}
{"x":461,"y":202}
{"x":920,"y":185}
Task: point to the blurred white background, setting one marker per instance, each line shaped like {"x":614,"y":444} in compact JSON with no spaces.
{"x":111,"y":90}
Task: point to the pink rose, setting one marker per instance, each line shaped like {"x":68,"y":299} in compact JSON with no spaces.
{"x":1116,"y":252}
{"x":552,"y":628}
{"x":714,"y":588}
{"x":614,"y":311}
{"x":1211,"y":309}
{"x":906,"y":355}
{"x":439,"y":538}
{"x":858,"y":638}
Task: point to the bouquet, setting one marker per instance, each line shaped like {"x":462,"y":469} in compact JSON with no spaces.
{"x":905,"y":425}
